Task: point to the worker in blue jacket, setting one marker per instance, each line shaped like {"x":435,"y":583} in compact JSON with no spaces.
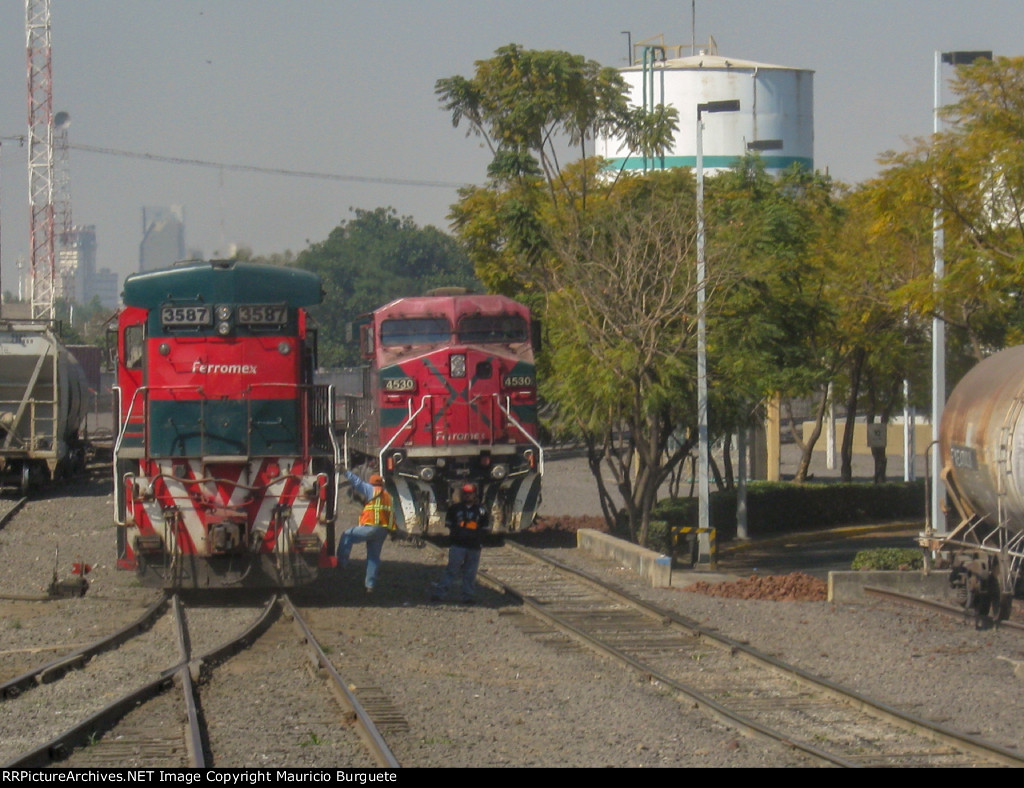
{"x":468,"y":523}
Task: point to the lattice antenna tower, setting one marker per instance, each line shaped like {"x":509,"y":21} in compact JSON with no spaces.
{"x":42,"y":250}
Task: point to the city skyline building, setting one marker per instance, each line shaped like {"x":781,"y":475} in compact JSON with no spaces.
{"x":163,"y":237}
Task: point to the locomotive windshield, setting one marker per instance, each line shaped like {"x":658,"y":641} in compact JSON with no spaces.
{"x":414,"y":331}
{"x":501,"y":329}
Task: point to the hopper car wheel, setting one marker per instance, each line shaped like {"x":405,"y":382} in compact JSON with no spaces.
{"x":26,"y":479}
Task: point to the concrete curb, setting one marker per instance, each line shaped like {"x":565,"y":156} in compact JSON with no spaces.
{"x":849,"y":586}
{"x":655,"y":569}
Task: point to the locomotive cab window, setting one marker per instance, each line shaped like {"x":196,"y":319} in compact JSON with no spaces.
{"x":134,"y":346}
{"x":414,"y":331}
{"x":492,"y":329}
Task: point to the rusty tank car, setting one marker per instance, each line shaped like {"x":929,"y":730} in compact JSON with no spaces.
{"x":981,"y":439}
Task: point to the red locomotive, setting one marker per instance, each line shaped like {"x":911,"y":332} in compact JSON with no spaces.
{"x":449,"y":397}
{"x":224,"y":459}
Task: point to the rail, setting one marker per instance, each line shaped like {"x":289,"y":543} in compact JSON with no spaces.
{"x":735,"y":682}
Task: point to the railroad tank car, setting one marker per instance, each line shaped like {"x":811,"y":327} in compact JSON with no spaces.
{"x":981,"y":438}
{"x":224,"y":458}
{"x":43,"y":401}
{"x":449,"y":397}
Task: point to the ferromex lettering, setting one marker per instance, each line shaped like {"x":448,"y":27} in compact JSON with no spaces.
{"x":223,"y":369}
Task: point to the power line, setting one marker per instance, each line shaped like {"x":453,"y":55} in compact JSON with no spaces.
{"x":325,"y":176}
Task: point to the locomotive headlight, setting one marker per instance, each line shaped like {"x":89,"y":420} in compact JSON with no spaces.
{"x":499,"y":471}
{"x":427,"y":473}
{"x":284,"y":348}
{"x":223,"y":312}
{"x":165,"y":349}
{"x":457,"y":365}
{"x":223,"y":328}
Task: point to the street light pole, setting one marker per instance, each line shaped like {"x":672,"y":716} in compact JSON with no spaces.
{"x":938,"y":491}
{"x":703,"y":458}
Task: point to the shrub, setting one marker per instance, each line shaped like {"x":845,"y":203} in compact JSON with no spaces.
{"x":783,"y":507}
{"x":888,"y":558}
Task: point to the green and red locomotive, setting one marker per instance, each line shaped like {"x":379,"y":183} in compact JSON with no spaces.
{"x":450,"y":397}
{"x":224,"y":459}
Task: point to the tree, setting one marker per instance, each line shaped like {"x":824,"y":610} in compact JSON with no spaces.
{"x":528,"y":105}
{"x":621,"y":323}
{"x":371,"y":260}
{"x":974,"y":174}
{"x":775,"y":332}
{"x":553,"y":235}
{"x":878,"y":255}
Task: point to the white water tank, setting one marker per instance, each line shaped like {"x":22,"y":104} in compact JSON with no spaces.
{"x":775,"y":116}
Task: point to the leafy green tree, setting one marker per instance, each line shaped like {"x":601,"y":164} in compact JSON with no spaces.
{"x":621,"y":324}
{"x":373,"y":259}
{"x":529,"y":105}
{"x":552,"y":235}
{"x":877,"y":257}
{"x":974,"y":173}
{"x":775,"y":328}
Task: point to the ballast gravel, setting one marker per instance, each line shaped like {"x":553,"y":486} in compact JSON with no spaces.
{"x":484,"y":686}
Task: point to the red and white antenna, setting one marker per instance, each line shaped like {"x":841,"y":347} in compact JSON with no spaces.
{"x":42,"y":251}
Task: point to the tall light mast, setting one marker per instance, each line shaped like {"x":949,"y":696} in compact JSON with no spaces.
{"x":42,"y":251}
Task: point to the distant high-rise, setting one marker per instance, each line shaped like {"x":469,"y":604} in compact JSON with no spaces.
{"x":163,"y":237}
{"x":78,"y":279}
{"x":76,"y":263}
{"x":104,"y":285}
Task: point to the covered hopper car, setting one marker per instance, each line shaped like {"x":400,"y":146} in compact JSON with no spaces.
{"x":224,"y":458}
{"x":43,"y":402}
{"x":449,"y":396}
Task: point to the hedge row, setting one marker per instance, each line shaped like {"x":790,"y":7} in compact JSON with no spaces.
{"x":784,"y":507}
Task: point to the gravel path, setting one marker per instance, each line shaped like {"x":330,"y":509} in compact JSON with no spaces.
{"x":483,"y":686}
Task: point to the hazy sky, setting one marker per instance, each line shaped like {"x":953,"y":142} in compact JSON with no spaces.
{"x":346,"y":89}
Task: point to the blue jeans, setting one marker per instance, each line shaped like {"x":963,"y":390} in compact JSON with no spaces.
{"x":374,"y":537}
{"x":462,"y":561}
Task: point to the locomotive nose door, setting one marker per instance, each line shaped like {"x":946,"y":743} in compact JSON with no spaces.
{"x":463,"y":401}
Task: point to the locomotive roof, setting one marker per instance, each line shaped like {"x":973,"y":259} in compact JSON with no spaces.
{"x":228,"y":281}
{"x":451,"y":306}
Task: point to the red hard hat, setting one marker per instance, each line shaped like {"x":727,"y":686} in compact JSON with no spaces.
{"x":469,"y":489}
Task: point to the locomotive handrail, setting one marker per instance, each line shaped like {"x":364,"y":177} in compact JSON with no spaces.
{"x":336,"y":446}
{"x":406,"y":423}
{"x":508,"y":414}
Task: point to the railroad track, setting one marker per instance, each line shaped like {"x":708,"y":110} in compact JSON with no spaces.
{"x":941,"y":607}
{"x":9,"y":507}
{"x":258,"y":696}
{"x":729,"y":680}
